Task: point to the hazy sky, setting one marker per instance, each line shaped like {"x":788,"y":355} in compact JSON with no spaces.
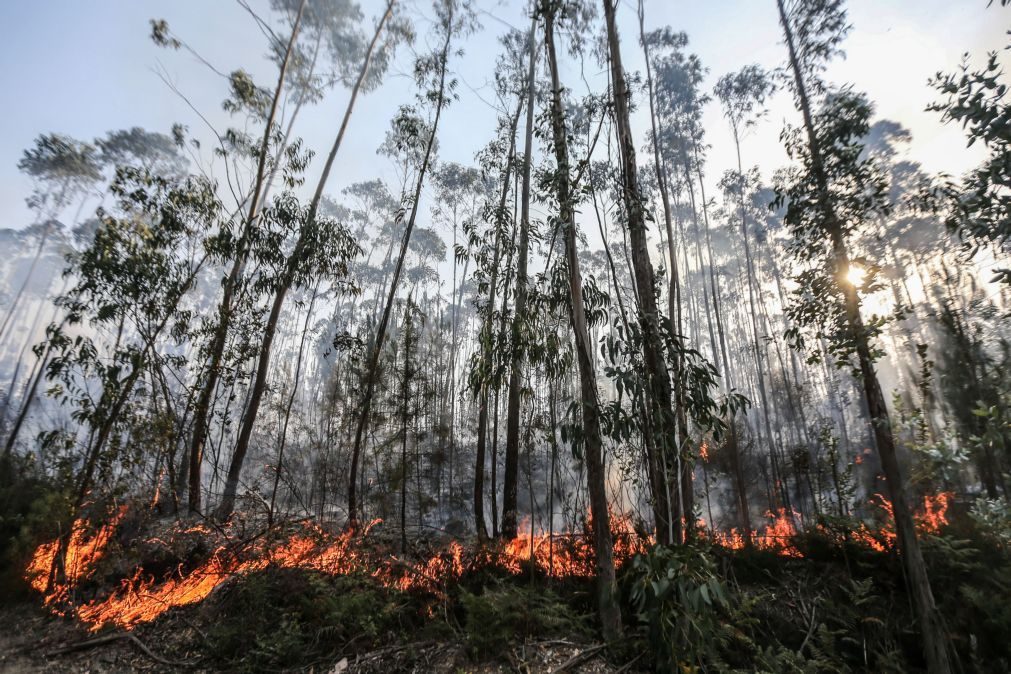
{"x":83,"y":67}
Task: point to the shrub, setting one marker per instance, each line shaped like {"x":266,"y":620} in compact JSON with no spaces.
{"x":505,"y":612}
{"x":677,"y":596}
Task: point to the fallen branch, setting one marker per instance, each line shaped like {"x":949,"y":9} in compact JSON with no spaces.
{"x":157,"y":658}
{"x":86,"y":644}
{"x":580,"y":657}
{"x":389,"y":650}
{"x":113,"y":638}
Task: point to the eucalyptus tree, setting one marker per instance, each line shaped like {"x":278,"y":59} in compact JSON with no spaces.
{"x":431,"y":74}
{"x":832,"y":192}
{"x":979,"y":207}
{"x":130,"y":282}
{"x":489,"y":249}
{"x":674,"y":291}
{"x":322,"y":249}
{"x":152,"y":152}
{"x":677,"y":77}
{"x":742,"y":95}
{"x":663,"y":421}
{"x":149,"y":150}
{"x":63,"y":169}
{"x":569,"y":14}
{"x":236,"y":246}
{"x":408,"y":375}
{"x":519,"y":319}
{"x":460,"y":191}
{"x":327,"y":55}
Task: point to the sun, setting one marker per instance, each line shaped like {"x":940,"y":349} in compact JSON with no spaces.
{"x":856,"y":274}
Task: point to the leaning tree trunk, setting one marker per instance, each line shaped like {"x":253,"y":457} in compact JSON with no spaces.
{"x":607,"y":587}
{"x":935,"y":640}
{"x":227,"y":504}
{"x":202,"y":412}
{"x":370,"y":378}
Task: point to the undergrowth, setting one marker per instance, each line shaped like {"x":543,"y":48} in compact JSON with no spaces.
{"x":839,"y":607}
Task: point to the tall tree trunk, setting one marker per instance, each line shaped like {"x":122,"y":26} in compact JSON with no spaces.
{"x":287,"y":408}
{"x":486,"y":337}
{"x":673,"y":301}
{"x":28,"y":399}
{"x":512,"y":448}
{"x":607,"y":587}
{"x":202,"y":412}
{"x":935,"y":640}
{"x":227,"y":504}
{"x":664,"y":425}
{"x":370,"y":378}
{"x":405,"y":414}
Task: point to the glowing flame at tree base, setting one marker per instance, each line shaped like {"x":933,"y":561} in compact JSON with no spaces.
{"x":142,"y":597}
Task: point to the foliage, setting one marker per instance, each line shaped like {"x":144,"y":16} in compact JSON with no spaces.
{"x":856,"y":191}
{"x":34,"y":505}
{"x":286,"y":619}
{"x":979,"y":208}
{"x":503,"y":613}
{"x":678,"y":596}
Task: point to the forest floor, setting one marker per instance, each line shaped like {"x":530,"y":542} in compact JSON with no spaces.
{"x":166,"y":596}
{"x":162,"y":595}
{"x":34,"y":640}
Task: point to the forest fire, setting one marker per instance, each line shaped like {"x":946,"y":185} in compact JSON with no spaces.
{"x":778,"y":533}
{"x":83,"y":551}
{"x":143,"y":597}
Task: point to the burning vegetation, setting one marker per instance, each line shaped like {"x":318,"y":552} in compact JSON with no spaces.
{"x":143,"y":597}
{"x":597,"y":393}
{"x":298,"y":595}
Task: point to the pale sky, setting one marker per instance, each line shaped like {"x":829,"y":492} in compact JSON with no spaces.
{"x":84,"y":67}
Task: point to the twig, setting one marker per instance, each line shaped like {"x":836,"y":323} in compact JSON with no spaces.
{"x":86,"y":644}
{"x":113,"y":638}
{"x":810,"y":631}
{"x":157,"y":658}
{"x":580,"y":657}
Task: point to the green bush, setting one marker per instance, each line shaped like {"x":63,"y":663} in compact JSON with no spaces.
{"x":33,"y":509}
{"x":505,"y":612}
{"x":677,"y":595}
{"x":290,"y":618}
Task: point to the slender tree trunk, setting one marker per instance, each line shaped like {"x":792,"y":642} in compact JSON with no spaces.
{"x":673,"y":305}
{"x":664,"y":425}
{"x":8,"y":321}
{"x":287,"y":408}
{"x":512,"y":448}
{"x":935,"y":640}
{"x":224,"y":510}
{"x":370,"y":379}
{"x":202,"y":412}
{"x":607,"y":588}
{"x":28,"y":399}
{"x":406,"y":393}
{"x":486,"y":337}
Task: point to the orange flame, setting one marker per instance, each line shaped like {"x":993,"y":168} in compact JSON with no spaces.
{"x":778,"y":534}
{"x":83,"y":552}
{"x":142,"y":598}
